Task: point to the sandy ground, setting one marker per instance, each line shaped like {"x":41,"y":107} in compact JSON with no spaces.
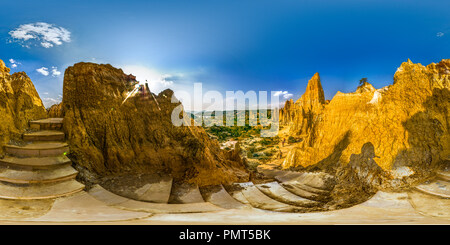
{"x":383,"y":208}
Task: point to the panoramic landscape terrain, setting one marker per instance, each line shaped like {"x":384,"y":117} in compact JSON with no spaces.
{"x":124,"y":117}
{"x":101,"y":149}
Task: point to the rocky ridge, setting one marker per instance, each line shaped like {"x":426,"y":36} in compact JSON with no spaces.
{"x":55,"y":111}
{"x":302,"y":114}
{"x":109,"y":135}
{"x":19,"y":103}
{"x":401,"y":129}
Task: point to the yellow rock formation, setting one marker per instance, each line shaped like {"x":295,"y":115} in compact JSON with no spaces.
{"x":19,"y":103}
{"x":110,"y":137}
{"x":55,"y":111}
{"x":301,"y":114}
{"x":407,"y":123}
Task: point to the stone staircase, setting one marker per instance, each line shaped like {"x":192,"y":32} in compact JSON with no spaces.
{"x":38,"y":168}
{"x":159,"y":194}
{"x":432,"y":198}
{"x":292,"y":192}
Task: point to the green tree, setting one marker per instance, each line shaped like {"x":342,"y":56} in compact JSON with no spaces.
{"x":363,"y":81}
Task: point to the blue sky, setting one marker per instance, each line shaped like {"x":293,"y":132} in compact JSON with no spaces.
{"x":228,"y":45}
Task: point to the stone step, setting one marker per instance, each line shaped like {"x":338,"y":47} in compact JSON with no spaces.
{"x":47,"y":124}
{"x":280,"y":175}
{"x":141,"y":187}
{"x":268,"y":172}
{"x":185,"y":193}
{"x":430,"y":205}
{"x":235,"y":192}
{"x":440,"y":188}
{"x":307,"y":187}
{"x":218,"y":196}
{"x":38,"y":149}
{"x":299,"y":189}
{"x":317,"y":181}
{"x":259,"y":200}
{"x":112,"y":199}
{"x":277,"y":192}
{"x":34,"y":163}
{"x":46,"y":135}
{"x":284,"y":176}
{"x":39,"y":191}
{"x":106,"y":196}
{"x":37,"y":176}
{"x":158,"y":208}
{"x":312,"y":185}
{"x":443,"y":175}
{"x":158,"y":192}
{"x":388,"y":201}
{"x":82,"y":207}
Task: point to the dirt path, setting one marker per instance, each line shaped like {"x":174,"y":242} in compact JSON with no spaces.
{"x":285,"y":148}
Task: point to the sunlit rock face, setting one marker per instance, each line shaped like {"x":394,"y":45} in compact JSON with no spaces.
{"x":287,"y":113}
{"x":301,"y":114}
{"x":19,"y":103}
{"x":313,"y":98}
{"x":108,"y":136}
{"x":55,"y":111}
{"x":406,"y":123}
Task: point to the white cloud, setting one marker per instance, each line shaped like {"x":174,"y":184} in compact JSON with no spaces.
{"x":285,"y":94}
{"x":43,"y":70}
{"x":46,"y":45}
{"x":14,"y":63}
{"x":439,"y":34}
{"x":278,"y":93}
{"x":49,"y":101}
{"x":55,"y":72}
{"x":47,"y":35}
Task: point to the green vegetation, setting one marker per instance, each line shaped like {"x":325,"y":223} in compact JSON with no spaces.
{"x":252,"y":165}
{"x":254,"y":148}
{"x":292,"y":139}
{"x":270,"y":141}
{"x":227,"y":132}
